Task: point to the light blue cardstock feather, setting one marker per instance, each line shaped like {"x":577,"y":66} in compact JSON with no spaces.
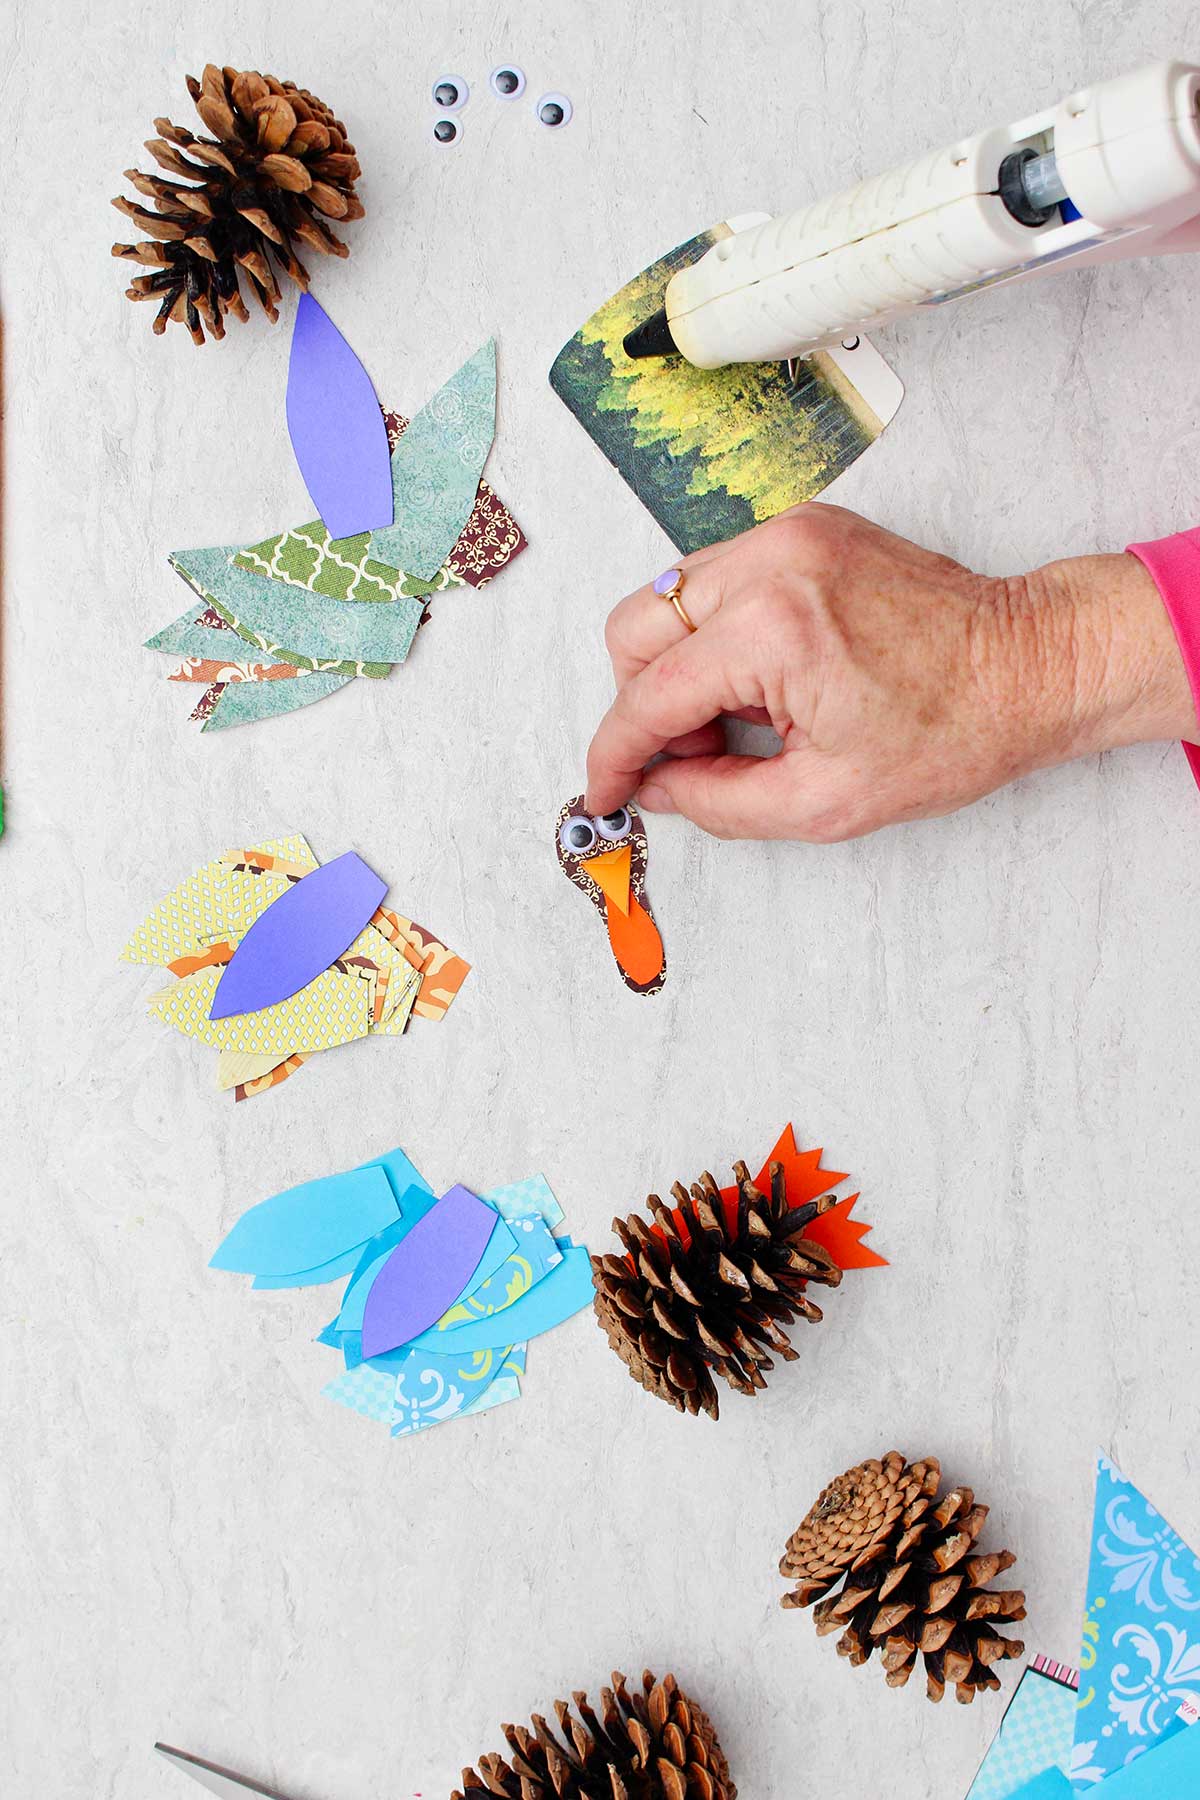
{"x":436,"y":468}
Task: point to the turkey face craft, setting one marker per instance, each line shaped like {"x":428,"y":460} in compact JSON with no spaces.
{"x":606,"y":857}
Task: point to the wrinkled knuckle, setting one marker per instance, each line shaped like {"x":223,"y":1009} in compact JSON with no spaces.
{"x":803,"y":533}
{"x":614,"y":636}
{"x":774,"y":603}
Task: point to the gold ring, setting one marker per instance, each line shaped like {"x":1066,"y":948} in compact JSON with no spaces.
{"x":669,"y":586}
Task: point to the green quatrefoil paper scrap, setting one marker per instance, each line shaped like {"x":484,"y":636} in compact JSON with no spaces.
{"x":340,"y":568}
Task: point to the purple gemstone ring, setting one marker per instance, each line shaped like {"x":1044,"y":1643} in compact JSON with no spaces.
{"x":668,"y":586}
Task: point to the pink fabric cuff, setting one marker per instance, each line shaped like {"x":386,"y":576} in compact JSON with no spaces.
{"x":1174,"y":563}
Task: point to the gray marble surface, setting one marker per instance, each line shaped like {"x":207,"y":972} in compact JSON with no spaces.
{"x":992,"y":1019}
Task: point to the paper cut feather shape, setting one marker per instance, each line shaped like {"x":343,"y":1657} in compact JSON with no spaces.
{"x":1130,"y":1730}
{"x":336,"y":427}
{"x":442,"y":1294}
{"x":387,"y":970}
{"x":281,"y":623}
{"x":307,"y":928}
{"x":834,"y":1230}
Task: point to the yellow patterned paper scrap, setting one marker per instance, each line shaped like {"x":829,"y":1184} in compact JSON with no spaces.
{"x":333,"y":1009}
{"x":234,"y":1066}
{"x":190,"y":915}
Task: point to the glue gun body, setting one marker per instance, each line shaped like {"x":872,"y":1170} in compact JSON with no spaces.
{"x":1112,"y":172}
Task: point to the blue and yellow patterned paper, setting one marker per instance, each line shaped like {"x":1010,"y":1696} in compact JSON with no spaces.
{"x":1141,"y":1634}
{"x":426,"y":1383}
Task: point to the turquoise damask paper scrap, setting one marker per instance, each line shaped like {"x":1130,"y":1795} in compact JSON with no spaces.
{"x":436,"y":468}
{"x":271,"y":612}
{"x":245,"y":702}
{"x":1141,"y":1634}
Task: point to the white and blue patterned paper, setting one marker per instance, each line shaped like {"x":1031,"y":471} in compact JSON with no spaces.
{"x":1141,"y":1634}
{"x":1035,"y":1735}
{"x":430,"y":1381}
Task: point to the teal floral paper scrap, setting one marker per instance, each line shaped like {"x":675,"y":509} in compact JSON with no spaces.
{"x":436,"y":468}
{"x":1141,"y":1632}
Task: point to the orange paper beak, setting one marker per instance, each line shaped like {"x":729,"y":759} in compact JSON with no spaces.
{"x":610,"y":872}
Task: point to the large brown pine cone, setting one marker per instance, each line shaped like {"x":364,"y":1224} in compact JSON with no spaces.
{"x":276,"y":167}
{"x":652,"y":1745}
{"x":682,"y":1306}
{"x":913,"y":1580}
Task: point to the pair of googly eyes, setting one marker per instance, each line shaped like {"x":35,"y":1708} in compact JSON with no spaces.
{"x":578,"y":835}
{"x":507,"y":81}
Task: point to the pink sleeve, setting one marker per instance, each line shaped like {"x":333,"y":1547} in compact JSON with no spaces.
{"x":1174,"y":563}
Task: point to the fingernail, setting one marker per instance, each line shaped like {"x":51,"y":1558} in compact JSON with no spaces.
{"x":655,"y":799}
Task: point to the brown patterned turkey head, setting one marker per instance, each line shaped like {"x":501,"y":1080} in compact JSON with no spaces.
{"x":606,"y":858}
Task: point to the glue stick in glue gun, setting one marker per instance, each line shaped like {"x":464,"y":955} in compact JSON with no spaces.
{"x":1112,"y":172}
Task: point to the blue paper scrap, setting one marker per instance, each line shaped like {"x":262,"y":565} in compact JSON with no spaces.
{"x":1141,"y":1634}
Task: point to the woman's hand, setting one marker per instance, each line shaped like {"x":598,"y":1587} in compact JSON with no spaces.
{"x":901,"y":684}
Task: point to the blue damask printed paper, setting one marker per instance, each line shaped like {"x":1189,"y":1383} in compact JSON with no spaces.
{"x":1141,"y":1633}
{"x":1035,"y":1735}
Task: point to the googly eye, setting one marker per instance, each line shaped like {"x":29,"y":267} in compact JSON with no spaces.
{"x":577,"y":836}
{"x":614,"y":825}
{"x":450,"y":92}
{"x":553,"y":110}
{"x":447,"y":131}
{"x":508,"y":81}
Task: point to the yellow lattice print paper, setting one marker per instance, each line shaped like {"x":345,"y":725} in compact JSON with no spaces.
{"x":375,"y":985}
{"x":191,"y":914}
{"x":332,"y":1010}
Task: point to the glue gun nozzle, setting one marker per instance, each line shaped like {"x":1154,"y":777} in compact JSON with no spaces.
{"x":652,"y":337}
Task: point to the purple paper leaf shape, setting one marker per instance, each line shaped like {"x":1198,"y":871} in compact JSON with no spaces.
{"x":336,"y":427}
{"x":298,"y":936}
{"x":427,"y":1271}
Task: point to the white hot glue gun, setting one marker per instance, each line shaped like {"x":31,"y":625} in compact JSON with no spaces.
{"x":1114,"y":171}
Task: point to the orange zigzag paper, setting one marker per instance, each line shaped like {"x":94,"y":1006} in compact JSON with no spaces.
{"x":835,"y":1230}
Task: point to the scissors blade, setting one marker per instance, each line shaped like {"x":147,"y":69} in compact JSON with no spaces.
{"x":217,"y":1780}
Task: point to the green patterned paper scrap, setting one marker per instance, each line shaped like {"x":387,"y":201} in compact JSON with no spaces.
{"x":318,"y":632}
{"x":436,"y":468}
{"x":184,"y":636}
{"x":340,"y":568}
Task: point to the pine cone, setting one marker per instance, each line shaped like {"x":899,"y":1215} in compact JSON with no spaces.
{"x":278,"y":164}
{"x":699,"y":1293}
{"x":913,"y":1580}
{"x":656,"y":1745}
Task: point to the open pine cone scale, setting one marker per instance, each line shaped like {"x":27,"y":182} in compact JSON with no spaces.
{"x":278,"y":164}
{"x":706,"y":1289}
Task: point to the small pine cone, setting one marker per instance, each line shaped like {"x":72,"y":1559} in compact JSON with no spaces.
{"x":698,"y":1295}
{"x":276,"y":167}
{"x":913,"y":1578}
{"x":652,"y":1745}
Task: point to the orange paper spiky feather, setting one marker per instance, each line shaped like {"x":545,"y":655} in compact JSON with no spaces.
{"x":836,"y":1231}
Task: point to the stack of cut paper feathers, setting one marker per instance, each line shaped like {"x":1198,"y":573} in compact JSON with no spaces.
{"x":1127,"y":1722}
{"x":443,"y":1292}
{"x":405,"y":515}
{"x":278,"y":957}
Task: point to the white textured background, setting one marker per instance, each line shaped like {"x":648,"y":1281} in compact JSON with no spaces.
{"x":991,"y":1019}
